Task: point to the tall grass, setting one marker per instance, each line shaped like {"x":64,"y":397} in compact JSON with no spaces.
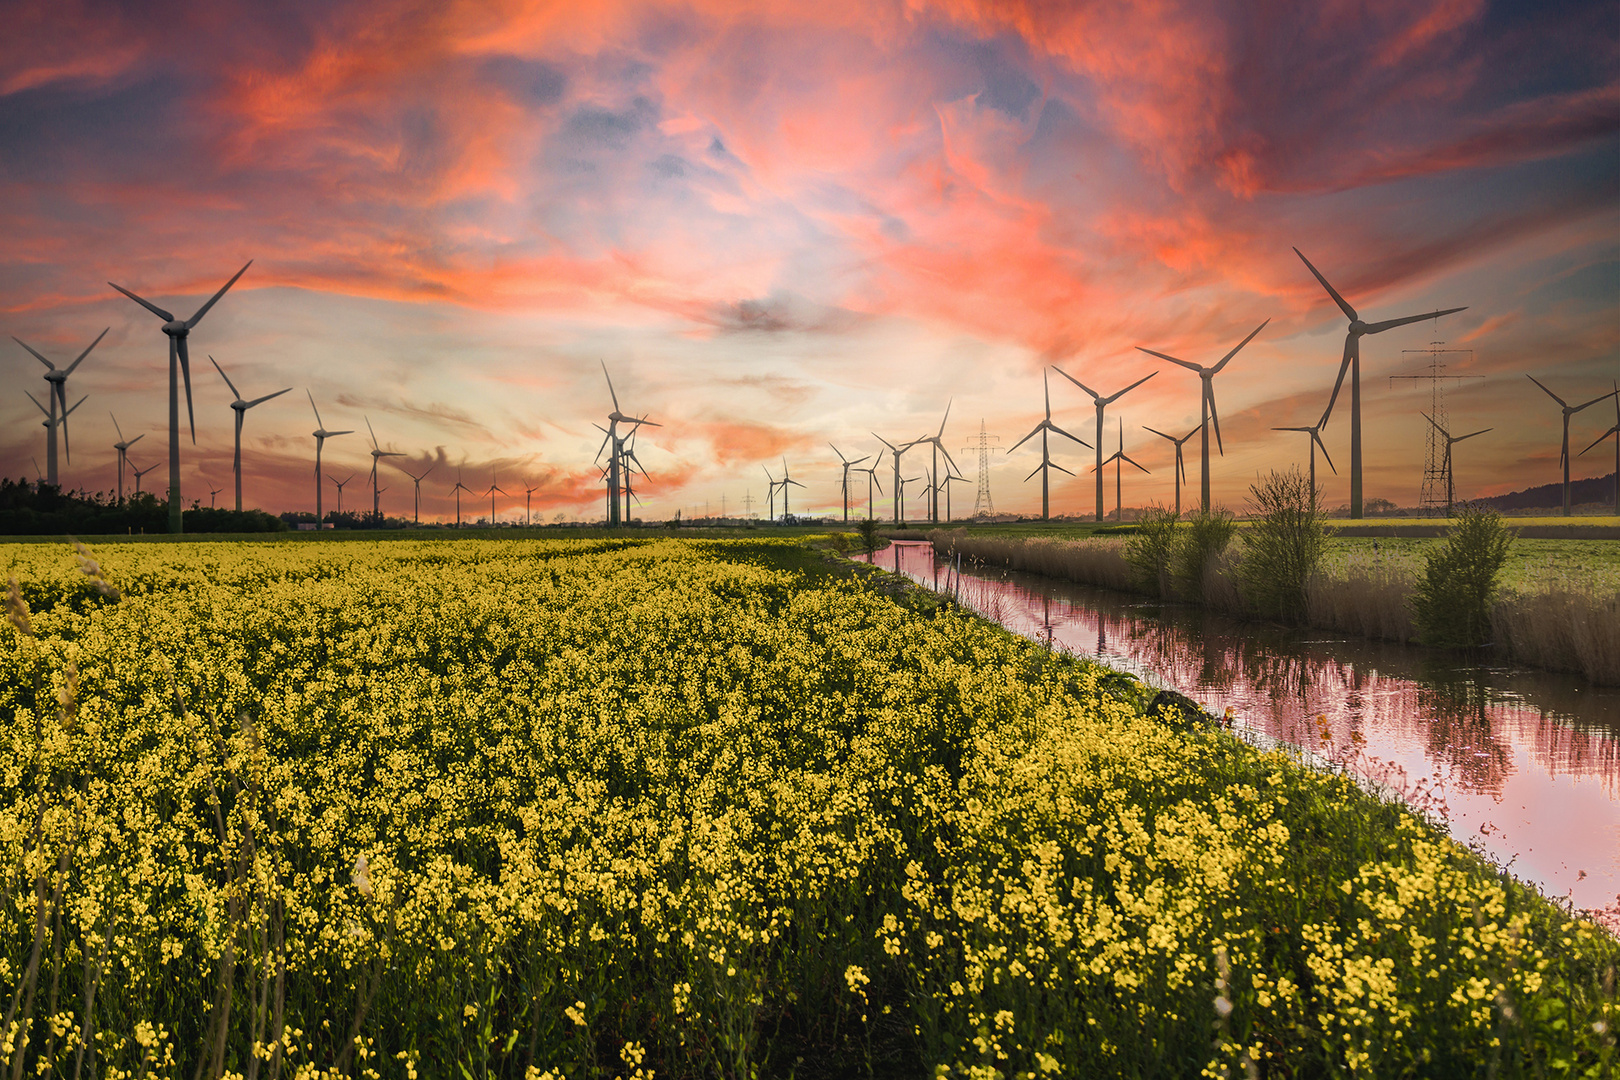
{"x":1570,"y":628}
{"x":1089,"y":562}
{"x":1366,"y":596}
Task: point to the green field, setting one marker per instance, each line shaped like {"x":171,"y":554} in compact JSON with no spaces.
{"x":690,"y":808}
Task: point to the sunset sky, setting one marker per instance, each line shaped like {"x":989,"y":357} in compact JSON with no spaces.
{"x":784,"y":225}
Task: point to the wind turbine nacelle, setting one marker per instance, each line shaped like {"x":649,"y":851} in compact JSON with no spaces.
{"x":176,"y":328}
{"x":1357,"y":328}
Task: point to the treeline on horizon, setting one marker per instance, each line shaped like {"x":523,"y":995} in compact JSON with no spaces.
{"x":30,"y":508}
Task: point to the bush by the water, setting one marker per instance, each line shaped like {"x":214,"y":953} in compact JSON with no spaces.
{"x":1283,"y":545}
{"x":1451,"y":605}
{"x":1202,"y":541}
{"x":1151,"y":548}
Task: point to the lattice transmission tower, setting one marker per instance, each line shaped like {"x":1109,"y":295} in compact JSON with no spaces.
{"x":982,"y":506}
{"x":1435,"y":494}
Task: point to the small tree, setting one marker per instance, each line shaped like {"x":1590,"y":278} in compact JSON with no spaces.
{"x":1452,"y":605}
{"x":1205,"y":537}
{"x":1283,"y":546}
{"x":869,"y":534}
{"x":1150,"y":548}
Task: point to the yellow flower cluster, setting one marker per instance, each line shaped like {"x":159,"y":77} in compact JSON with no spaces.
{"x":623,"y":808}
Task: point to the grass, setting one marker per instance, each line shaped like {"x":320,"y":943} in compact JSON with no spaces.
{"x":695,"y":808}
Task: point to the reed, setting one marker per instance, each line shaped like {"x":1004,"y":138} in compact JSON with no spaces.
{"x":1367,"y":597}
{"x":1089,"y":562}
{"x":1565,"y":628}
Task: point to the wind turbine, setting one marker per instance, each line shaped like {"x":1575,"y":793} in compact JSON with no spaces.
{"x":896,"y":451}
{"x":871,"y":481}
{"x":787,"y":479}
{"x":1569,"y":411}
{"x":123,"y":447}
{"x":1615,"y":431}
{"x":1181,"y":464}
{"x":240,"y":407}
{"x":528,"y":497}
{"x":1047,"y":464}
{"x":142,"y":472}
{"x":177,"y":331}
{"x":630,"y":456}
{"x":321,"y":435}
{"x":212,"y":491}
{"x":1210,"y":414}
{"x":340,"y":483}
{"x":900,"y":486}
{"x":57,"y":378}
{"x":613,"y":437}
{"x":1352,"y":363}
{"x":1118,"y":457}
{"x":1101,"y":403}
{"x":50,"y":424}
{"x":1450,"y":442}
{"x":939,"y":448}
{"x":416,"y":482}
{"x":458,"y":489}
{"x":947,"y":482}
{"x":1315,"y":433}
{"x":377,"y":453}
{"x":848,"y":464}
{"x":493,"y":488}
{"x":771,"y":492}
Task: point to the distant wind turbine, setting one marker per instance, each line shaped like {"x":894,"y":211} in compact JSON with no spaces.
{"x":493,"y":488}
{"x":871,"y":482}
{"x":936,"y":441}
{"x":1569,"y":411}
{"x":177,"y":331}
{"x":240,"y":407}
{"x":142,"y":472}
{"x":1352,"y":363}
{"x":615,"y":442}
{"x":1101,"y":403}
{"x":896,"y":451}
{"x":50,"y":424}
{"x":123,"y":452}
{"x":947,"y":482}
{"x":900,"y":486}
{"x":377,"y":454}
{"x":1615,"y":431}
{"x":770,"y":494}
{"x":1181,"y":464}
{"x":528,"y":496}
{"x":1315,"y":432}
{"x":416,"y":482}
{"x":212,"y":492}
{"x":458,"y":489}
{"x":339,"y":484}
{"x":1047,"y":464}
{"x":848,"y":464}
{"x":1119,"y":457}
{"x":321,"y":435}
{"x":1450,"y":442}
{"x":787,"y":478}
{"x":1210,"y":414}
{"x":57,"y":378}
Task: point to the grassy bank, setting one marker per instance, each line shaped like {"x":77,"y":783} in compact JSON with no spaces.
{"x":1559,"y":607}
{"x":619,"y":808}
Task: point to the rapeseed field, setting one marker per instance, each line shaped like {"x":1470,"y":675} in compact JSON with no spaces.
{"x":550,"y":809}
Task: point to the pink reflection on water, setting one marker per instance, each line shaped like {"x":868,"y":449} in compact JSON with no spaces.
{"x":1523,"y":766}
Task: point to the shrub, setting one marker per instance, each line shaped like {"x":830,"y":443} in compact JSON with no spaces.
{"x":869,"y":534}
{"x":839,"y":542}
{"x":1150,"y":548}
{"x":1283,"y":546}
{"x":1200,"y":543}
{"x":1452,"y":604}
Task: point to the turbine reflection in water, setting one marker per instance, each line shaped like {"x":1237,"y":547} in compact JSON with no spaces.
{"x":1524,"y":765}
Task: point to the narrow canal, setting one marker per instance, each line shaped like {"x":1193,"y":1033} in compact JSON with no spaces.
{"x":1523,"y":765}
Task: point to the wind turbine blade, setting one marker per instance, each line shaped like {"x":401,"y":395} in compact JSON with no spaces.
{"x":1127,"y":457}
{"x":1318,"y":440}
{"x":135,"y":440}
{"x":947,"y":416}
{"x":1576,"y":409}
{"x":948,"y":460}
{"x":882,"y":440}
{"x":153,"y":308}
{"x":795,"y":483}
{"x":1240,"y":345}
{"x":317,"y":411}
{"x":1471,"y":434}
{"x":858,"y":460}
{"x":38,"y":357}
{"x":1128,"y":389}
{"x":1173,"y":360}
{"x":1215,"y":419}
{"x":185,"y":371}
{"x":1349,"y":312}
{"x":1436,"y":427}
{"x":37,"y":405}
{"x":1292,"y":429}
{"x":1549,"y":393}
{"x":1344,"y":366}
{"x":212,"y":300}
{"x":372,"y":433}
{"x":1390,"y":324}
{"x":605,"y":437}
{"x":876,"y":482}
{"x":227,"y":378}
{"x":1076,"y":382}
{"x":1159,"y":433}
{"x":1612,"y":431}
{"x":116,"y":427}
{"x":609,"y":379}
{"x":1058,"y":467}
{"x":86,"y":352}
{"x":1036,"y":469}
{"x":329,"y":434}
{"x":1191,"y":433}
{"x":1066,"y":435}
{"x":1026,"y":438}
{"x":267,"y":397}
{"x":840,"y":456}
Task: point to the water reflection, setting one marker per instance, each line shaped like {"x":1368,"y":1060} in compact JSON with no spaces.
{"x":1524,"y":765}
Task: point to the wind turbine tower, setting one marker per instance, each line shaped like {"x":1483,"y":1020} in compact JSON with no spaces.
{"x":1047,"y":464}
{"x":787,"y":479}
{"x":1352,"y":363}
{"x":1210,"y":414}
{"x":1180,"y":472}
{"x":1569,"y":411}
{"x":416,"y":482}
{"x":1119,"y":457}
{"x":177,"y":331}
{"x":57,"y":379}
{"x":871,"y":482}
{"x":982,"y":505}
{"x":458,"y":489}
{"x":240,"y":408}
{"x":493,"y":488}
